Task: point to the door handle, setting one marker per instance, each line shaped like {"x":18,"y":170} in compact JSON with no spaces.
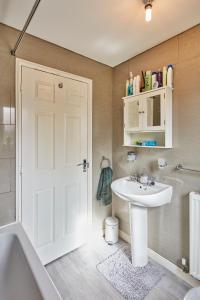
{"x":85,"y":165}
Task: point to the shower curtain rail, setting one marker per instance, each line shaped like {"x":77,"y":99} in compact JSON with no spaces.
{"x":33,"y":10}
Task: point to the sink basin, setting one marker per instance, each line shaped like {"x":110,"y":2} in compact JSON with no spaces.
{"x":141,"y":197}
{"x":139,"y":194}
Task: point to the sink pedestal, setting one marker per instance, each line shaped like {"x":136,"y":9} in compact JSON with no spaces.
{"x":139,"y":235}
{"x":141,"y":197}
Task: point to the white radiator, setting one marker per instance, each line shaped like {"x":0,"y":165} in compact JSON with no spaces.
{"x":195,"y":234}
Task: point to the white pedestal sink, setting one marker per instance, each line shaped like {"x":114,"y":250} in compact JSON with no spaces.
{"x":140,"y":197}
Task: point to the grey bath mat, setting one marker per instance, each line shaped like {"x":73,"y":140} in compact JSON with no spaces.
{"x":134,"y":283}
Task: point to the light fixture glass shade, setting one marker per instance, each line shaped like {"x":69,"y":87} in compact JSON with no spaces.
{"x":148,"y":12}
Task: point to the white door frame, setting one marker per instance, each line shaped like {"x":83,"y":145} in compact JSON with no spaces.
{"x":23,"y":63}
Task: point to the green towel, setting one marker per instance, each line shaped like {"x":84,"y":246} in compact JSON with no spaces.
{"x":104,"y":192}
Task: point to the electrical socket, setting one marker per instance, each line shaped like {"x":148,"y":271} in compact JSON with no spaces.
{"x":183,"y":264}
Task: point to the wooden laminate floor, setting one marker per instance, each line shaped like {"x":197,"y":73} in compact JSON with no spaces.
{"x":76,"y":277}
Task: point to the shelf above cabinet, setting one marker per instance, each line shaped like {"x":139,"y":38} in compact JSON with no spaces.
{"x":147,"y":92}
{"x":154,"y":147}
{"x":131,"y":130}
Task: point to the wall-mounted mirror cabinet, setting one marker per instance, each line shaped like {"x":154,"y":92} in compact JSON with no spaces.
{"x":148,"y":119}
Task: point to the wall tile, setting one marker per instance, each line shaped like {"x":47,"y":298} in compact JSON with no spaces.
{"x":155,"y":58}
{"x":189,"y":44}
{"x":7,"y":208}
{"x":6,"y":86}
{"x":13,"y":174}
{"x":5,"y":110}
{"x":7,"y":141}
{"x":5,"y":176}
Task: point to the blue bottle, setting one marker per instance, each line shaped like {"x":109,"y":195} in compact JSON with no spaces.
{"x":130,"y":86}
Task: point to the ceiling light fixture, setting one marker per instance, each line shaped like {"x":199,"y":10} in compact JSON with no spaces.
{"x":148,"y":10}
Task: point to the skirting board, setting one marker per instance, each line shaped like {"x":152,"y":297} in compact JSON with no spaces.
{"x":165,"y":263}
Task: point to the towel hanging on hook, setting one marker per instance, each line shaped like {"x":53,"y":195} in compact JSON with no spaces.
{"x":104,"y":193}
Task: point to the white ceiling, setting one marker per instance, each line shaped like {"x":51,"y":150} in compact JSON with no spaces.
{"x":109,"y":31}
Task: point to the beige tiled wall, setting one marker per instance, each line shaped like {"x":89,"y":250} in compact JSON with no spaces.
{"x":39,"y":51}
{"x":7,"y":135}
{"x":168,"y":225}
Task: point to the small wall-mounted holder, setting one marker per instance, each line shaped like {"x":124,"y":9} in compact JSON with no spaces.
{"x":162,"y":163}
{"x":105,"y":162}
{"x":131,"y":156}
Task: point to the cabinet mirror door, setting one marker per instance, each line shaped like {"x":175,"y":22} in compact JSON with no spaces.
{"x":154,"y":112}
{"x":132,"y":116}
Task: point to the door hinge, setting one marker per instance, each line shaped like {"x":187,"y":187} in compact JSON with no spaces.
{"x":164,"y":95}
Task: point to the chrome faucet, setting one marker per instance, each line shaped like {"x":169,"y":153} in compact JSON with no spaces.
{"x":138,"y":178}
{"x":134,"y":177}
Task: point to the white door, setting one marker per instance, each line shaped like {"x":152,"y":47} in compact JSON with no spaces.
{"x":54,"y":140}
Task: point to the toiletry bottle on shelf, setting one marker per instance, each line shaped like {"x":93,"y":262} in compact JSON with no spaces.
{"x":134,"y":85}
{"x":127,"y":84}
{"x":148,"y":85}
{"x":130,"y":86}
{"x":160,"y":78}
{"x":170,"y":76}
{"x":142,"y":89}
{"x":137,"y":85}
{"x":154,"y":80}
{"x":164,"y":76}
